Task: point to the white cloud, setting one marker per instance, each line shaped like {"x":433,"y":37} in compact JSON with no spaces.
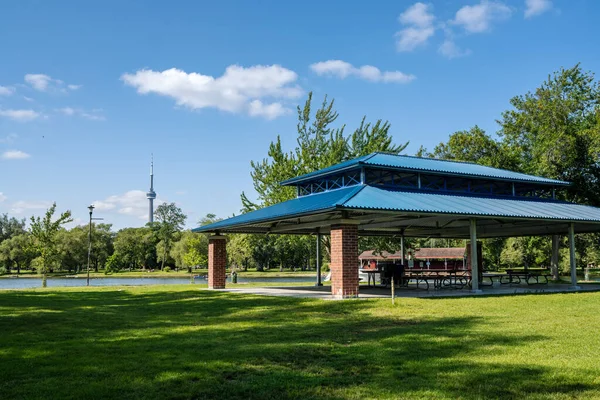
{"x":478,"y":18}
{"x":67,"y":110}
{"x":6,"y":90}
{"x":257,"y":108}
{"x":44,"y":83}
{"x":132,"y":203}
{"x":450,"y":49}
{"x":94,"y":115}
{"x":343,"y":69}
{"x":236,"y":91}
{"x":418,"y":21}
{"x":19,"y":115}
{"x":38,"y":81}
{"x":21,"y":206}
{"x":15,"y":155}
{"x":9,"y":138}
{"x":2,"y":197}
{"x":537,"y":7}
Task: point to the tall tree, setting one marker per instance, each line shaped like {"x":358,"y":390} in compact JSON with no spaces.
{"x":555,"y":132}
{"x":44,"y":232}
{"x":10,"y":226}
{"x":320,"y":142}
{"x":473,"y":145}
{"x":169,"y":221}
{"x":17,"y":252}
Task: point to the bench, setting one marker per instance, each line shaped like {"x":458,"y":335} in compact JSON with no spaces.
{"x":530,"y":277}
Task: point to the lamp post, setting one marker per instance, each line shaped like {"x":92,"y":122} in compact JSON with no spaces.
{"x":91,"y":208}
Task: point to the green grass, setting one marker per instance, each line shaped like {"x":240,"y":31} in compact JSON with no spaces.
{"x":179,"y":342}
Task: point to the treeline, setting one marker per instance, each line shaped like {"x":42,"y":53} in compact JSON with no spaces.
{"x":46,"y":246}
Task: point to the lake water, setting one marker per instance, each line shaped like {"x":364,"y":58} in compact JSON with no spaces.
{"x":28,"y":283}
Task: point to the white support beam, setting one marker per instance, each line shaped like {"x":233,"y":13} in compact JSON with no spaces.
{"x":572,"y":259}
{"x":555,"y":255}
{"x":474,"y":258}
{"x":319,"y":240}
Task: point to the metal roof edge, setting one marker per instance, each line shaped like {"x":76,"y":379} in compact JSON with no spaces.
{"x":310,"y":175}
{"x":207,"y":229}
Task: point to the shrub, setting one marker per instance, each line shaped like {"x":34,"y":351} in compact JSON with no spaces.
{"x":167,"y":269}
{"x":3,"y":270}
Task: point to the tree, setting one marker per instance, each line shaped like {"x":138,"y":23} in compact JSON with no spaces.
{"x":17,"y":251}
{"x":134,"y":247}
{"x":10,"y":226}
{"x":320,"y":143}
{"x":102,"y":244}
{"x":474,"y":146}
{"x":44,"y":232}
{"x":190,"y":250}
{"x":169,"y":221}
{"x":555,"y":132}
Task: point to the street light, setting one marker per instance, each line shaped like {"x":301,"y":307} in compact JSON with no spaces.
{"x":91,"y":208}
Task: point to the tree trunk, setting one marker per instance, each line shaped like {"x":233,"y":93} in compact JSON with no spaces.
{"x":162,"y":265}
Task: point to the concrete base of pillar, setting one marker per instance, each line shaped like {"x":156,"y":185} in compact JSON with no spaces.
{"x":346,"y":297}
{"x":575,"y":287}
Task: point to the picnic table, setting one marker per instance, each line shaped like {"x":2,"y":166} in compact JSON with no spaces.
{"x":517,"y":275}
{"x":441,"y":278}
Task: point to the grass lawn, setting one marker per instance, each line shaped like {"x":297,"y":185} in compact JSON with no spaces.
{"x":180,"y":342}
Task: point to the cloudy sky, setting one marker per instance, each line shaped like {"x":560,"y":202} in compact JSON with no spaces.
{"x":89,"y":90}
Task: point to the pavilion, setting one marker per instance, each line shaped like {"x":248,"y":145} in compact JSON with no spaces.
{"x":391,"y":195}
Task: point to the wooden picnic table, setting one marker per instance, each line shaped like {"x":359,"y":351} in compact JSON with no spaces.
{"x":516,"y":275}
{"x":442,"y":278}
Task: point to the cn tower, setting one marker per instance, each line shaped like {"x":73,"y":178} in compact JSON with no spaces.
{"x":151,"y":195}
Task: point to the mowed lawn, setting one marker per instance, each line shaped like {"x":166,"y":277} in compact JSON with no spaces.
{"x":181,"y":342}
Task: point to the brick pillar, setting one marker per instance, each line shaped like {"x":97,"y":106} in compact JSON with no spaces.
{"x":217,"y":261}
{"x":344,"y":261}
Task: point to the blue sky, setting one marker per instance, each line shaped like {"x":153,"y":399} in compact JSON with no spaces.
{"x":89,"y":90}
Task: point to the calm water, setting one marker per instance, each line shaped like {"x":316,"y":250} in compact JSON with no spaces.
{"x":27,"y":283}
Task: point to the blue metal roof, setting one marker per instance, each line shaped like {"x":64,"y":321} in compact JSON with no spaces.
{"x":363,"y":197}
{"x":287,"y":209}
{"x":372,"y":198}
{"x":422,"y":164}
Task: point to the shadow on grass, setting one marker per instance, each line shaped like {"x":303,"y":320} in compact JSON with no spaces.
{"x":202,"y":344}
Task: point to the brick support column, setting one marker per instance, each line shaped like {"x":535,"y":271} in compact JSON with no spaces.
{"x":217,"y":261}
{"x":344,"y":261}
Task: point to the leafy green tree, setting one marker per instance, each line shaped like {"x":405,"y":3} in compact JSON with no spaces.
{"x":72,"y":248}
{"x":239,"y":251}
{"x":17,"y":252}
{"x":190,"y":250}
{"x":473,"y":145}
{"x":169,"y":221}
{"x":44,"y":232}
{"x":321,"y":142}
{"x":103,"y":244}
{"x":555,"y":132}
{"x":10,"y":226}
{"x":135,"y":247}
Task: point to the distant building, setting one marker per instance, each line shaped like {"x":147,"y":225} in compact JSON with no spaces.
{"x":434,"y":258}
{"x":151,"y":195}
